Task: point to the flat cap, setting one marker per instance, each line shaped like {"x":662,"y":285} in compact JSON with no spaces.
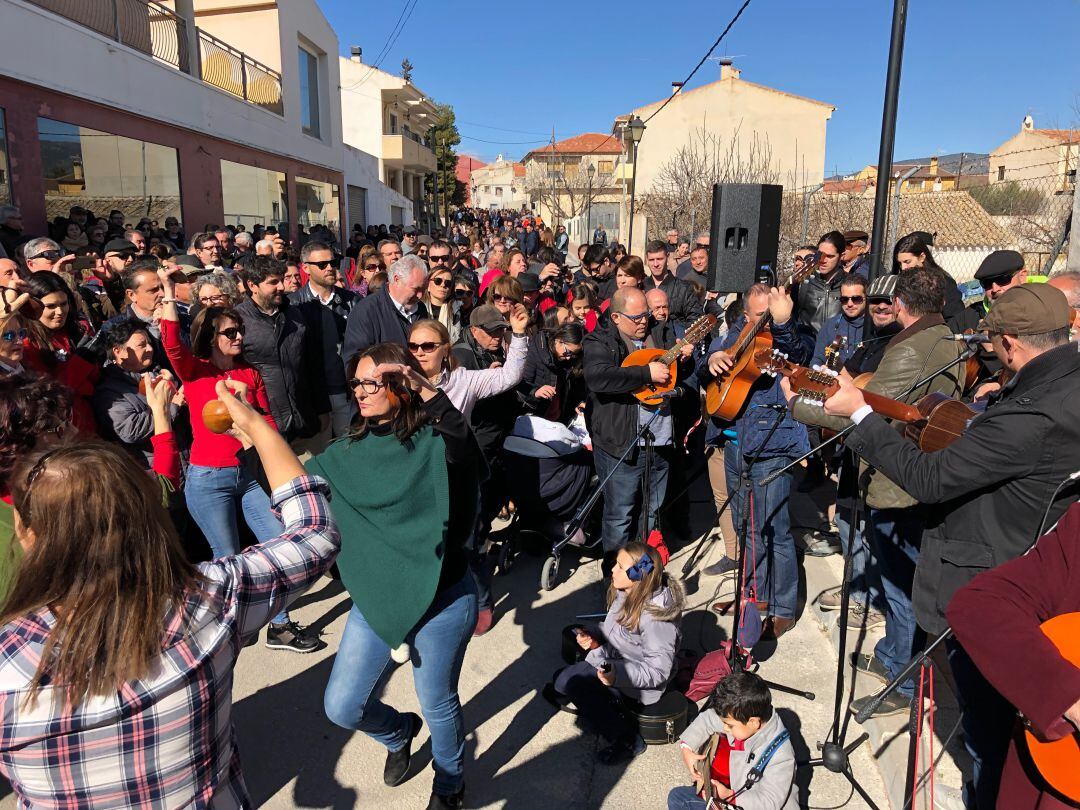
{"x":1000,"y":263}
{"x":1029,"y":309}
{"x":119,"y":246}
{"x":856,"y":236}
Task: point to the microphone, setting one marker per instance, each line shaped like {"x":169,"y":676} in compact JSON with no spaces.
{"x":977,"y":337}
{"x":674,"y":393}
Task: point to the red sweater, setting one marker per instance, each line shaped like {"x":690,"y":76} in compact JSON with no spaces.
{"x":199,"y":378}
{"x":76,"y":373}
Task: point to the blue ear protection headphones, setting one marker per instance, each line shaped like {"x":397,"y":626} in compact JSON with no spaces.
{"x":640,"y":569}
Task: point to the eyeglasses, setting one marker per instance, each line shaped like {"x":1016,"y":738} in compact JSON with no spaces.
{"x":442,"y":282}
{"x":634,"y":318}
{"x":51,"y":255}
{"x":213,"y":299}
{"x":1001,"y":280}
{"x":13,"y":335}
{"x":321,"y":265}
{"x":232,"y":333}
{"x":367,"y":386}
{"x":852,"y":299}
{"x":427,"y":347}
{"x":433,"y":259}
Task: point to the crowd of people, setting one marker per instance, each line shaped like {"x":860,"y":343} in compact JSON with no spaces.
{"x":198,"y":427}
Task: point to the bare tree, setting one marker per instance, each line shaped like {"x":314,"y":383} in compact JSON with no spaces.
{"x":568,"y":193}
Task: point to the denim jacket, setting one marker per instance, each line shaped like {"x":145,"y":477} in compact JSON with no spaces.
{"x":755,"y":422}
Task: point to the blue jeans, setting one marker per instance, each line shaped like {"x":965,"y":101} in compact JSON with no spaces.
{"x":622,"y":493}
{"x":438,"y":643}
{"x":865,"y":581}
{"x":896,"y":535}
{"x":214,"y":496}
{"x":601,"y":705}
{"x":770,"y":546}
{"x":685,"y":798}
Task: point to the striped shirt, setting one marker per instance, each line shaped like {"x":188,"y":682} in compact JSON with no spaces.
{"x":168,"y":740}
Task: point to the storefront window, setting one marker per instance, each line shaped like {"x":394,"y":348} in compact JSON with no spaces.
{"x":317,"y":204}
{"x":5,"y":169}
{"x":102,"y":172}
{"x":252,"y":196}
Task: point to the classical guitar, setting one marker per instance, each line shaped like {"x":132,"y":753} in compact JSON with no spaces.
{"x":1059,"y":761}
{"x":651,"y":394}
{"x":934,"y":422}
{"x":726,"y":396}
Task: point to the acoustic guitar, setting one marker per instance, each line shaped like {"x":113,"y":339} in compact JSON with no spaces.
{"x":1059,"y":761}
{"x":933,"y":423}
{"x":726,"y":396}
{"x":651,"y":394}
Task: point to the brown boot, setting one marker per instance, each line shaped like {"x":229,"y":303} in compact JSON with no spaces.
{"x":776,"y":626}
{"x":723,"y":608}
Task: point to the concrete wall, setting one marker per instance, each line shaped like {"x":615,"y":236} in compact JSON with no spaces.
{"x":1030,"y":155}
{"x":499,"y":174}
{"x":362,"y":169}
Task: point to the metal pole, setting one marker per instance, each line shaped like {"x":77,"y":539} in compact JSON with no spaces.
{"x":894,"y":230}
{"x":806,"y":212}
{"x":633,"y":189}
{"x":888,"y":134}
{"x":588,"y":215}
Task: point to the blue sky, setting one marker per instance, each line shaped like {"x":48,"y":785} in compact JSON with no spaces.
{"x":972,"y":70}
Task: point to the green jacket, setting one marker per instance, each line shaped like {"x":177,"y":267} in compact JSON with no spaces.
{"x":911,"y":354}
{"x":10,"y":552}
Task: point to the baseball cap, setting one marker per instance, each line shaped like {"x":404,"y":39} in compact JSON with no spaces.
{"x":487,"y":317}
{"x":410,"y":231}
{"x":1029,"y":309}
{"x":119,"y":246}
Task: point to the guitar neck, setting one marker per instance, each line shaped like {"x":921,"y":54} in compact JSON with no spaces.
{"x":891,"y":408}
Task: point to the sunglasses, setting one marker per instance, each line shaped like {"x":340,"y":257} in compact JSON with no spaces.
{"x":51,"y":255}
{"x":374,"y":268}
{"x":442,"y":282}
{"x":495,"y":331}
{"x":503,"y":299}
{"x":433,"y":259}
{"x":367,"y":386}
{"x":852,"y":299}
{"x":1000,"y":280}
{"x":232,"y":333}
{"x":321,"y":265}
{"x":427,"y":347}
{"x":13,"y":335}
{"x":463,"y":293}
{"x":634,"y":318}
{"x":881,"y":302}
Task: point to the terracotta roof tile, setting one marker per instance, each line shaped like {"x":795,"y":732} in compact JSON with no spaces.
{"x":1063,"y":135}
{"x":588,"y":142}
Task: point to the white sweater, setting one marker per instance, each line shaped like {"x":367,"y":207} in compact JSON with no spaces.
{"x":464,"y":387}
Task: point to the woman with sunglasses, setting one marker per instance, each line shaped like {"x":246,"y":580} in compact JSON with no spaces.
{"x":405,"y":486}
{"x":13,"y":331}
{"x":52,"y":341}
{"x":439,"y":297}
{"x":553,"y":384}
{"x":367,"y":265}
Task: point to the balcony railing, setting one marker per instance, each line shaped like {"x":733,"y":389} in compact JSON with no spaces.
{"x":144,"y":25}
{"x":155,"y":30}
{"x":234,"y":71}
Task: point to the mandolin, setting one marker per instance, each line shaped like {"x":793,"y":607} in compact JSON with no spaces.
{"x":933,"y":423}
{"x":1058,"y":762}
{"x":726,"y":396}
{"x":651,"y":394}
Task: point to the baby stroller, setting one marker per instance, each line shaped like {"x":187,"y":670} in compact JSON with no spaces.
{"x":548,"y":473}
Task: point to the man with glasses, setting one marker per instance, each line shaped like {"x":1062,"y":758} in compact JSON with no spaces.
{"x":387,"y":315}
{"x":1000,"y":271}
{"x":854,"y":258}
{"x":207,"y":250}
{"x":325,"y":308}
{"x":409,"y":242}
{"x":614,"y":417}
{"x":42,"y":254}
{"x":440,"y":256}
{"x":849,"y":324}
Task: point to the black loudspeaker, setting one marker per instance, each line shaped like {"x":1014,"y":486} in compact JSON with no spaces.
{"x":744,"y":234}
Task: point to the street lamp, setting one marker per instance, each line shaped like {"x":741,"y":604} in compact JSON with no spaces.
{"x":637,"y":129}
{"x":588,"y":203}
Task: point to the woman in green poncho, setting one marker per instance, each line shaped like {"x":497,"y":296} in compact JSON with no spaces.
{"x":405,"y":487}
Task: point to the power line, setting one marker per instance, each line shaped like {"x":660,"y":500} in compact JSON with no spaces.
{"x":499,"y":129}
{"x":392,"y":37}
{"x":500,"y":143}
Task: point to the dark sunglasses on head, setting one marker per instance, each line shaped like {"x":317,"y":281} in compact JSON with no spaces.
{"x":13,"y":335}
{"x":427,"y":347}
{"x":321,"y":265}
{"x":1001,"y":280}
{"x":433,"y":259}
{"x":852,"y":299}
{"x":51,"y":255}
{"x":442,"y":282}
{"x":232,"y":332}
{"x":368,"y":386}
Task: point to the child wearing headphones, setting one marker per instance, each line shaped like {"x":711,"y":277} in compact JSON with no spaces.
{"x":745,"y":751}
{"x":630,"y":657}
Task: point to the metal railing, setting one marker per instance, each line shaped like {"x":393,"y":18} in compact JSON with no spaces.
{"x":235,"y":72}
{"x":144,"y":25}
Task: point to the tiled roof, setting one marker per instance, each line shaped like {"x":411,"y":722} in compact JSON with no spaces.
{"x":519,"y":170}
{"x":586,"y":143}
{"x":1063,"y":135}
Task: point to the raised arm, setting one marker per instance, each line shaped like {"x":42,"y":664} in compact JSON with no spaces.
{"x":184,"y":363}
{"x":491,"y":381}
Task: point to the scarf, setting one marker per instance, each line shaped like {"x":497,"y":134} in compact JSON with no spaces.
{"x":391,"y":502}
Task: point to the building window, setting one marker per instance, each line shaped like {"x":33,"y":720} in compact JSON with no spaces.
{"x":605,"y":166}
{"x":317,"y":203}
{"x":498,"y":191}
{"x":252,"y":196}
{"x":102,"y":172}
{"x":1001,"y":173}
{"x":393,"y":124}
{"x":5,"y":171}
{"x":309,"y":93}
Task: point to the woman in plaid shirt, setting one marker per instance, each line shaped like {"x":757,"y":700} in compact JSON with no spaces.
{"x":102,"y":711}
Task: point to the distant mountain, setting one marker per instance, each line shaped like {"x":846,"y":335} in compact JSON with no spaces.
{"x":972,"y":162}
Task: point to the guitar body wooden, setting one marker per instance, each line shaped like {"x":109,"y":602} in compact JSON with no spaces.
{"x":946,"y":421}
{"x":1057,"y":761}
{"x":727,"y":395}
{"x":647,"y":394}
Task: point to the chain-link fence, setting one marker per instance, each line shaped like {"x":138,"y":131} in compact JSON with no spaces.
{"x":1026,"y":208}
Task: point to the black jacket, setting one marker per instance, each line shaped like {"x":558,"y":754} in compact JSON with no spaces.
{"x":492,"y":417}
{"x":326,"y":331}
{"x":817,"y":300}
{"x":277,"y":346}
{"x":684,"y":305}
{"x":611,"y":411}
{"x":376,"y":319}
{"x":871,"y":348}
{"x":987,"y":490}
{"x":541,"y":368}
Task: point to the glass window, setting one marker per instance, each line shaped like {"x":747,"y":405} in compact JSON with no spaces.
{"x":309,"y":93}
{"x":605,"y":166}
{"x":317,"y":204}
{"x":100,"y":171}
{"x":5,"y":171}
{"x":252,"y":196}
